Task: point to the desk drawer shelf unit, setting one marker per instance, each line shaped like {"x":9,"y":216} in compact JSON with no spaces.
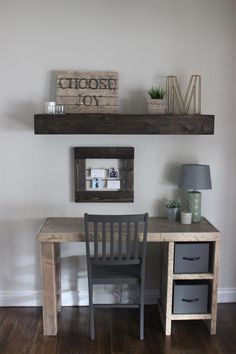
{"x":190,"y":266}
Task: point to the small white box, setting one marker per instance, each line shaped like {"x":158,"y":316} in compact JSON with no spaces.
{"x":113,"y":184}
{"x":98,"y":173}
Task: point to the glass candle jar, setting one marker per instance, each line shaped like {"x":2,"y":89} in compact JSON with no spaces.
{"x":59,"y":109}
{"x":50,"y":107}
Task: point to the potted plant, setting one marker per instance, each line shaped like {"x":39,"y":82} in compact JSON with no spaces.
{"x":173,"y":209}
{"x":157,"y":102}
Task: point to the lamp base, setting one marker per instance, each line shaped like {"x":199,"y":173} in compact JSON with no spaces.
{"x":194,"y":205}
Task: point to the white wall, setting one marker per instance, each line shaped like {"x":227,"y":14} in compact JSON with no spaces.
{"x":139,"y":39}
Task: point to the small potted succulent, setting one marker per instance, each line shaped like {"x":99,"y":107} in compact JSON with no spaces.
{"x":157,"y":102}
{"x":173,"y":209}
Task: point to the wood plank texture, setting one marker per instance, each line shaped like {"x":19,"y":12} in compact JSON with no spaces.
{"x":104,"y":152}
{"x":57,"y":247}
{"x":159,"y":230}
{"x":196,"y":316}
{"x":193,"y":276}
{"x":215,"y":286}
{"x":169,"y":292}
{"x":51,"y":302}
{"x":128,"y":174}
{"x":88,"y":123}
{"x":80,"y":175}
{"x":104,"y":196}
{"x":88,"y":91}
{"x":103,"y":101}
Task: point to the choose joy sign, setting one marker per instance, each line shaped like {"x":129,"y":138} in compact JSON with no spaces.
{"x":88,"y":91}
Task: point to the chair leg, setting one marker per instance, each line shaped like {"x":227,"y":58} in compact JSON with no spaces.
{"x":141,"y":336}
{"x":91,"y":312}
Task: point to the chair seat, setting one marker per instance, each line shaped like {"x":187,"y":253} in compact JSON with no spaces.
{"x":116,"y":274}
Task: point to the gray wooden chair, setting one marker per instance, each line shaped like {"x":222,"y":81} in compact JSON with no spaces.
{"x":116,"y":255}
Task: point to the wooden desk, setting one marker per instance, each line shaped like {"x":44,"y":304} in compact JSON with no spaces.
{"x":58,"y":230}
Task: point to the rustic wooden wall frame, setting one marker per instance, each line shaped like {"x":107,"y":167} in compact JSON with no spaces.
{"x":124,"y":154}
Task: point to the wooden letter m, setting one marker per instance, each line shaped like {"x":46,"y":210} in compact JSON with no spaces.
{"x":191,"y":103}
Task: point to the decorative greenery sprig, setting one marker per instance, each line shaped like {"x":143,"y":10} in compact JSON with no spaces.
{"x":174,"y":203}
{"x":157,"y":93}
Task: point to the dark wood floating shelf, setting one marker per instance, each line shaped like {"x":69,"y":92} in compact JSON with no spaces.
{"x":102,"y":123}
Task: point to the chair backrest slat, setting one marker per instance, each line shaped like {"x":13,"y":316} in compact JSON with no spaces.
{"x":121,"y":232}
{"x":112,"y":240}
{"x":96,"y":241}
{"x":120,"y":241}
{"x":136,"y":239}
{"x":128,"y":241}
{"x":103,"y":240}
{"x":145,"y":238}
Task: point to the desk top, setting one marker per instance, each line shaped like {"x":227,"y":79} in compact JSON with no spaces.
{"x":159,"y":230}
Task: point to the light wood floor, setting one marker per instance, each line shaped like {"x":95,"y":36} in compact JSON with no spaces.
{"x":116,"y":332}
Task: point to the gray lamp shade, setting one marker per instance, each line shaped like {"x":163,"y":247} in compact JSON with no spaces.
{"x":194,"y":177}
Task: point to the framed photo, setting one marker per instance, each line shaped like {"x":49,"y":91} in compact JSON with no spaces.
{"x":99,"y":190}
{"x":113,"y":184}
{"x":98,"y":173}
{"x":113,"y":173}
{"x":97,"y":183}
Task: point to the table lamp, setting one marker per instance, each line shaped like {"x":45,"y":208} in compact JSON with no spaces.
{"x":194,"y":177}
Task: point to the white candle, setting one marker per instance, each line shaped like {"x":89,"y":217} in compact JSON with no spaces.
{"x":186,"y":217}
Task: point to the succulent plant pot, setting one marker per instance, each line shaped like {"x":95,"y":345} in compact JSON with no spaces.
{"x":156,"y":106}
{"x":172,"y":214}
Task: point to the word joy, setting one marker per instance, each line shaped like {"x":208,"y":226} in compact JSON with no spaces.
{"x":88,"y":100}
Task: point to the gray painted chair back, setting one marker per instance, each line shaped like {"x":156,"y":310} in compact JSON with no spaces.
{"x":119,"y":237}
{"x":117,"y":242}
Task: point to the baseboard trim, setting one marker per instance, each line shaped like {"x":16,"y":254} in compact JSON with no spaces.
{"x":226,"y":295}
{"x":20,"y":298}
{"x":74,"y":298}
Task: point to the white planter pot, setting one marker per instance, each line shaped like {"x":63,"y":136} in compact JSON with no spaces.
{"x":156,"y":106}
{"x":186,"y":217}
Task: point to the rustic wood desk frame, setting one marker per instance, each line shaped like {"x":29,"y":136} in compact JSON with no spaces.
{"x":58,"y":230}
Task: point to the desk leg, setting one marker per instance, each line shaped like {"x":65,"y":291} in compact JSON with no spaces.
{"x":48,"y":269}
{"x":169,"y":291}
{"x":215,"y":287}
{"x":58,"y":274}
